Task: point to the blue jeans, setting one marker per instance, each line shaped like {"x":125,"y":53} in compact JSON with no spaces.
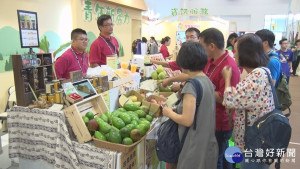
{"x":222,"y":139}
{"x":253,"y":165}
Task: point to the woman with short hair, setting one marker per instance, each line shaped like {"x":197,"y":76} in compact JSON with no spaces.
{"x":200,"y":149}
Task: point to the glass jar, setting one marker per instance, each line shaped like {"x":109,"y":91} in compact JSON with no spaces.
{"x":55,"y":84}
{"x":44,"y":96}
{"x":45,"y":71}
{"x":36,"y":84}
{"x":57,"y":97}
{"x":51,"y":98}
{"x":95,"y":81}
{"x":99,"y":90}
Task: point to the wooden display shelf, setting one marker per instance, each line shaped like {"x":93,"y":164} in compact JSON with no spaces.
{"x":22,"y":75}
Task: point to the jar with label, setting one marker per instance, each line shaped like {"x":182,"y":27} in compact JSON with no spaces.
{"x":45,"y":71}
{"x":57,"y":97}
{"x":51,"y":98}
{"x":95,"y":81}
{"x":55,"y":84}
{"x":61,"y":94}
{"x":99,"y":89}
{"x":44,"y":96}
{"x":36,"y":84}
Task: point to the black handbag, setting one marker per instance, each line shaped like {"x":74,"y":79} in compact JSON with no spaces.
{"x":271,"y":132}
{"x":168,"y":144}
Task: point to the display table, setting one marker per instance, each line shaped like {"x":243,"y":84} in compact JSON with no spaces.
{"x":42,"y":135}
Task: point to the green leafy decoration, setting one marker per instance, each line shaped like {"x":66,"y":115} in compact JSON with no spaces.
{"x":44,"y":45}
{"x":1,"y":56}
{"x":61,"y":48}
{"x":8,"y":64}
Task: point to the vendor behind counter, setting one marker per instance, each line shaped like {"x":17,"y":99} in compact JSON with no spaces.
{"x":75,"y":58}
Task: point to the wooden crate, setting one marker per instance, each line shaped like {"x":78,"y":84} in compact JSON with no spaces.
{"x":74,"y":113}
{"x":119,"y":82}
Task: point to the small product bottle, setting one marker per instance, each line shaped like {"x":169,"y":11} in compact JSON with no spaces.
{"x":51,"y":98}
{"x":57,"y":97}
{"x":55,"y":83}
{"x":44,"y":96}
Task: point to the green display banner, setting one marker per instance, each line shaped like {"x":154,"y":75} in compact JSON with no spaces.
{"x":118,"y":15}
{"x":187,"y":11}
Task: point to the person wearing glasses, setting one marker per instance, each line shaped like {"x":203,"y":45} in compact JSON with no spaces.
{"x":74,"y":58}
{"x":105,"y":45}
{"x":192,"y":35}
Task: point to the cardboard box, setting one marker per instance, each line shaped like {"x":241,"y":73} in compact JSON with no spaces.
{"x":129,"y":160}
{"x":125,"y":98}
{"x":170,"y":96}
{"x":117,"y":147}
{"x":74,"y":113}
{"x":165,"y":94}
{"x":154,"y":109}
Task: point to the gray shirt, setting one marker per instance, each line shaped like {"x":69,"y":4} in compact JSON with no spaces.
{"x":200,"y":149}
{"x":153,"y":49}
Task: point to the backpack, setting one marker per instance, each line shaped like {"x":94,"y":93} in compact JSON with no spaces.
{"x":282,"y":90}
{"x":270,"y":132}
{"x":283,"y":93}
{"x":168,"y":144}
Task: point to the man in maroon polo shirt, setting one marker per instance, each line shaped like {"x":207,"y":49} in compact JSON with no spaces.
{"x":105,"y":45}
{"x":74,"y":58}
{"x":192,"y":35}
{"x":213,"y":43}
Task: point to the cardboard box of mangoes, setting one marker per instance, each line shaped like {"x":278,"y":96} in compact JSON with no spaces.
{"x":153,"y":104}
{"x":131,"y":96}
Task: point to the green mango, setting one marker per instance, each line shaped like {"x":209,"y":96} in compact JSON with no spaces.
{"x":140,"y":113}
{"x":127,"y":141}
{"x":142,"y":128}
{"x":149,"y":118}
{"x":125,"y":117}
{"x":104,"y":127}
{"x":131,"y":107}
{"x":125,"y":132}
{"x":134,"y":122}
{"x":117,"y":122}
{"x":121,"y":109}
{"x":114,"y":136}
{"x":104,"y":118}
{"x":100,"y":136}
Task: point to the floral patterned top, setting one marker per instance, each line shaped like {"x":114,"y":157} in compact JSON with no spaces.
{"x":254,"y":95}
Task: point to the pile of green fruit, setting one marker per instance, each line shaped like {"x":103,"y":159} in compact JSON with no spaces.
{"x":124,"y":126}
{"x":159,"y":73}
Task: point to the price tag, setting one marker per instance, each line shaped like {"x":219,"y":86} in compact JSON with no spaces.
{"x":112,"y":61}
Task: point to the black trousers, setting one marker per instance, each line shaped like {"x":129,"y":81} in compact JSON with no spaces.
{"x":295,"y":65}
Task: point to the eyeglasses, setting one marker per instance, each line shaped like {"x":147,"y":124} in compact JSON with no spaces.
{"x":109,"y":25}
{"x":190,"y":37}
{"x":84,"y":40}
